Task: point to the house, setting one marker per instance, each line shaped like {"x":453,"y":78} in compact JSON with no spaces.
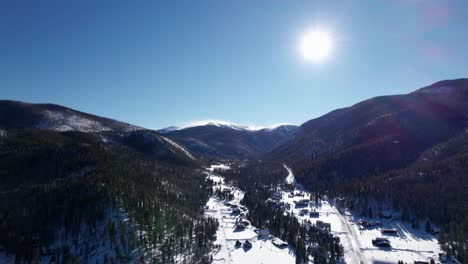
{"x":235,"y":211}
{"x":381,"y":242}
{"x":302,"y":203}
{"x":369,"y":224}
{"x":279,"y":243}
{"x":323,"y":225}
{"x":238,"y":244}
{"x":314,"y":214}
{"x":247,"y":244}
{"x":389,"y":231}
{"x":303,"y":212}
{"x":240,"y":226}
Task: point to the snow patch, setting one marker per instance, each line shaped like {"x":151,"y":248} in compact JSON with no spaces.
{"x":68,"y":121}
{"x":223,"y":123}
{"x":179,"y":147}
{"x":3,"y":133}
{"x":219,"y":167}
{"x":290,"y":178}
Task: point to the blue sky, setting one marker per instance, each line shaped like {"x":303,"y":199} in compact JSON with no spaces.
{"x":162,"y":63}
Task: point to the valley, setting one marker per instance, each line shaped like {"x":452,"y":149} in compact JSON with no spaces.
{"x":407,"y":244}
{"x":381,"y":181}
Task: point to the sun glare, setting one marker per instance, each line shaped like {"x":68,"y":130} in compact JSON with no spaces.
{"x":316,"y":45}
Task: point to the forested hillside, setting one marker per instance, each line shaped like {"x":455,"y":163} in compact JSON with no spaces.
{"x":405,"y":152}
{"x":72,"y":197}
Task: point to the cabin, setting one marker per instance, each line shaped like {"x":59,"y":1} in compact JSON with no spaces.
{"x":303,"y":212}
{"x":389,"y":231}
{"x":381,"y":242}
{"x":240,"y":226}
{"x":323,"y":225}
{"x":238,"y":244}
{"x":369,"y":224}
{"x":314,"y":214}
{"x":421,"y":262}
{"x":302,"y":203}
{"x":247,"y":244}
{"x":235,"y":211}
{"x":279,"y":243}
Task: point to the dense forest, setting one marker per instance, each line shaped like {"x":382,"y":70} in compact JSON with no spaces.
{"x":68,"y":197}
{"x":434,"y":188}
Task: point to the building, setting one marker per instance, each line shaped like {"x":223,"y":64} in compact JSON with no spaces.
{"x":314,"y":214}
{"x":323,"y":225}
{"x":279,"y":243}
{"x":387,"y":231}
{"x":302,"y":203}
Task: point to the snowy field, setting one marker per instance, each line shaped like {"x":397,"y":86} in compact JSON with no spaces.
{"x":408,"y":244}
{"x":262,"y":250}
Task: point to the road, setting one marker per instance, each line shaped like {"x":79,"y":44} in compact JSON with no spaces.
{"x":352,"y":238}
{"x":350,"y":235}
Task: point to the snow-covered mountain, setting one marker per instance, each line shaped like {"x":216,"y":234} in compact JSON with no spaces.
{"x":379,"y":134}
{"x":230,"y":141}
{"x":15,"y":114}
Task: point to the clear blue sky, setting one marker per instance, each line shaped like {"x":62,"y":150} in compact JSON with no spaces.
{"x":162,"y":63}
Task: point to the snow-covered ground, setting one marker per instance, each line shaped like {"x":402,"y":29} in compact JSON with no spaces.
{"x":408,"y":245}
{"x":262,"y":250}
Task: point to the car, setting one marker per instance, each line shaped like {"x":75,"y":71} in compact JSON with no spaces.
{"x":381,"y":242}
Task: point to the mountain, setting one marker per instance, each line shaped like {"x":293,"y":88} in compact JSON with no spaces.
{"x":75,"y":187}
{"x":15,"y":114}
{"x":376,"y":135}
{"x":224,"y":141}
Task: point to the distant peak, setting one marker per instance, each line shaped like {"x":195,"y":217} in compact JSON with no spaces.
{"x":223,"y":123}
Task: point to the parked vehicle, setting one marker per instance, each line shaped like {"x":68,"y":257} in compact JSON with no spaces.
{"x":381,"y":242}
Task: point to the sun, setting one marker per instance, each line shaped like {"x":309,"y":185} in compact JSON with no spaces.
{"x":316,"y":45}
